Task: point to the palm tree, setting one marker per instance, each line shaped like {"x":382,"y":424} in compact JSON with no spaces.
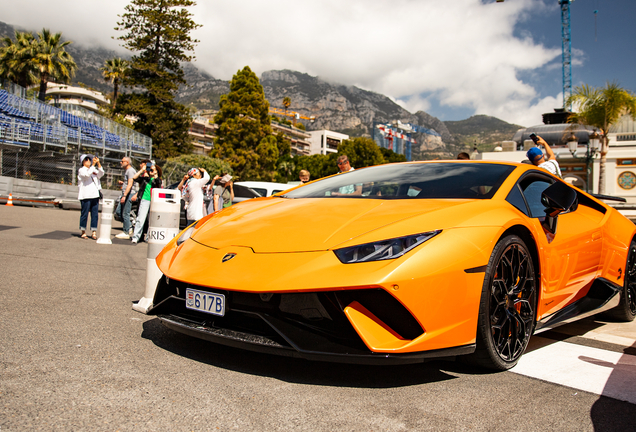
{"x":53,"y":62}
{"x":286,"y":104}
{"x":114,"y":71}
{"x":16,"y":59}
{"x":601,"y":108}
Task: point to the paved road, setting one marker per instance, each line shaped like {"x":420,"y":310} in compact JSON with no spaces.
{"x":75,"y":356}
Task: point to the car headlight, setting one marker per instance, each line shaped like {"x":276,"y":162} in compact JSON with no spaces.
{"x":185,"y":234}
{"x":384,"y":249}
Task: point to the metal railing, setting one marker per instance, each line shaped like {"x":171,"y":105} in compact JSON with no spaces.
{"x":25,"y":134}
{"x":49,"y":115}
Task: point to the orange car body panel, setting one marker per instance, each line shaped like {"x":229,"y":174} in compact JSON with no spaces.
{"x":286,"y":245}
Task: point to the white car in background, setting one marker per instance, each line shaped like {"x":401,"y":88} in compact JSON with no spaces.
{"x":265,"y":188}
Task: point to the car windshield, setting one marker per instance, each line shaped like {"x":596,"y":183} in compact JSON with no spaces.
{"x":411,"y":181}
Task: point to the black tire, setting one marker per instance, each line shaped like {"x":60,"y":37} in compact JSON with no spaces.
{"x":507,"y":310}
{"x":626,"y":309}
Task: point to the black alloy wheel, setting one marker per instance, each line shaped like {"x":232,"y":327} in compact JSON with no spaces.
{"x":626,"y":309}
{"x":508,"y":304}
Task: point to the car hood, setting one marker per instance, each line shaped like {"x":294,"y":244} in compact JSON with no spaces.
{"x":275,"y":225}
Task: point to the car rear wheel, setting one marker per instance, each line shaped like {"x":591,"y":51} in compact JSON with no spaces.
{"x":626,"y":309}
{"x":507,"y":309}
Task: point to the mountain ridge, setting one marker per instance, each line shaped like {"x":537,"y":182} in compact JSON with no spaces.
{"x":339,"y":107}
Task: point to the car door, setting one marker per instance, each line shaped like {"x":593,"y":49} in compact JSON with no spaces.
{"x":571,"y":257}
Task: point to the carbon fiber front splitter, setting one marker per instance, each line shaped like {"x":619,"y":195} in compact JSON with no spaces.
{"x":266,"y":345}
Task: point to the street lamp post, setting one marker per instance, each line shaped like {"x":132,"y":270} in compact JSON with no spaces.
{"x":591,"y":148}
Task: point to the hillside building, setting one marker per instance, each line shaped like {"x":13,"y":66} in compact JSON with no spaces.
{"x":67,"y":97}
{"x":202,"y":133}
{"x":325,"y":141}
{"x":299,"y":139}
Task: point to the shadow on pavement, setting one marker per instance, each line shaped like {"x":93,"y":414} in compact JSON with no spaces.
{"x":294,"y":370}
{"x":607,"y":413}
{"x":56,"y":235}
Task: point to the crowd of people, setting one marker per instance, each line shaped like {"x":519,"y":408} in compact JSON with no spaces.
{"x":136,"y":188}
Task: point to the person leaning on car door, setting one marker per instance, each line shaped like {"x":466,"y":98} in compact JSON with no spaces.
{"x":191,"y":187}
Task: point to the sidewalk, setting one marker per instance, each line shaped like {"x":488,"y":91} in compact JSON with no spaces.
{"x":617,"y":333}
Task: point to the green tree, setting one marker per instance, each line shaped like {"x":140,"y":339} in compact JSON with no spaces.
{"x":362,"y":152}
{"x":167,"y":123}
{"x":390,"y":156}
{"x":601,"y":108}
{"x":318,"y":165}
{"x":52,"y":60}
{"x":114,"y":71}
{"x":16,"y":59}
{"x":176,"y":167}
{"x":158,"y":32}
{"x":244,"y":122}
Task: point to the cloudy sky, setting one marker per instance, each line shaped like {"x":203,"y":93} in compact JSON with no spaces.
{"x":450,"y":58}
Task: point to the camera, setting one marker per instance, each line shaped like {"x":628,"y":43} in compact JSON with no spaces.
{"x":148,"y":165}
{"x":534,"y":138}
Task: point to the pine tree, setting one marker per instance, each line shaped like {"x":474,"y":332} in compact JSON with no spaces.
{"x":244,"y":137}
{"x":158,"y":32}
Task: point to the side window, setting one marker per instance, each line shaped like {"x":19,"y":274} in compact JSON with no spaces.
{"x":532,"y":192}
{"x":516,"y":199}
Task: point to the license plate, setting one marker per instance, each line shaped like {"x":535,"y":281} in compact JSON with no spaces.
{"x":207,"y":302}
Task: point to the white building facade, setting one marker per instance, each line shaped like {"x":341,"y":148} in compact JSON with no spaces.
{"x":326,"y":141}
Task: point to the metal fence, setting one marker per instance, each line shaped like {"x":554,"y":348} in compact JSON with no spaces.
{"x":23,"y":121}
{"x":55,"y":166}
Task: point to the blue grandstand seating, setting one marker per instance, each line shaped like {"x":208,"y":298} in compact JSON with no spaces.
{"x":71,"y":128}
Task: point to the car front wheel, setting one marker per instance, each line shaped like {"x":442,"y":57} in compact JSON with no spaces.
{"x":507,"y":309}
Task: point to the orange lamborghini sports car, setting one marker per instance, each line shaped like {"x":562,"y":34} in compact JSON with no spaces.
{"x":401,"y":263}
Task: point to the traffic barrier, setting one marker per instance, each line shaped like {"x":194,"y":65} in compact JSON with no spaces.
{"x":163,"y":226}
{"x":105,"y":222}
{"x":10,"y":201}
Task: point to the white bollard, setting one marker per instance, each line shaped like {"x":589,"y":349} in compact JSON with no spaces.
{"x":105,"y":222}
{"x":163,"y":226}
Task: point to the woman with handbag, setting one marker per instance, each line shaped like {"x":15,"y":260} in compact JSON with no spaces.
{"x":89,"y":192}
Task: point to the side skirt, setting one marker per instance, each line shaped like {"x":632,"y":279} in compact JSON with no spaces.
{"x":603,"y":295}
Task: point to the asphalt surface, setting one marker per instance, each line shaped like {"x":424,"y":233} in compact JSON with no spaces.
{"x":75,"y":356}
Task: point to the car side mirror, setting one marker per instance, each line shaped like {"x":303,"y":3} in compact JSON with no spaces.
{"x":557,"y":199}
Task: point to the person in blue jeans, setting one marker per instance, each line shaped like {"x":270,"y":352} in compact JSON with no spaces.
{"x":125,"y":201}
{"x":89,"y":186}
{"x":148,"y":177}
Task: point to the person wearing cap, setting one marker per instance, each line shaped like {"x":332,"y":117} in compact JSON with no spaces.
{"x":536,"y":157}
{"x":89,"y":192}
{"x":191,"y":187}
{"x":223,"y":193}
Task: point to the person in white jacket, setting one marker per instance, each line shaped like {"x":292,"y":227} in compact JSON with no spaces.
{"x":191,"y":188}
{"x":89,"y":189}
